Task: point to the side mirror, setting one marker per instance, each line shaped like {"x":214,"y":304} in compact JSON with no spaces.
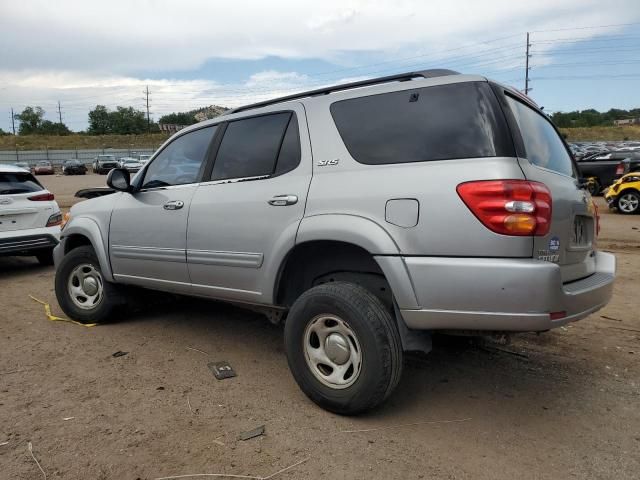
{"x":119,"y":179}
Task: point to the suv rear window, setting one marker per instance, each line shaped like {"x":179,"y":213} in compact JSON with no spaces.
{"x":13,"y":183}
{"x":543,"y":146}
{"x":461,"y":120}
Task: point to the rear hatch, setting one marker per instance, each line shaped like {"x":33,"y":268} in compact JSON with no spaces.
{"x":17,"y":211}
{"x":544,"y":158}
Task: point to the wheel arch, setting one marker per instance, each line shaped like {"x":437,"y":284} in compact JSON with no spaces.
{"x":85,"y":231}
{"x":328,"y":244}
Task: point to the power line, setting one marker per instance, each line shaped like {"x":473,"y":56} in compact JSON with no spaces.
{"x":59,"y":112}
{"x":148,"y":119}
{"x":527,"y":67}
{"x":587,"y":28}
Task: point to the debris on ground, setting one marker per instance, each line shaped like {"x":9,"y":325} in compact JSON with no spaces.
{"x":221,"y":370}
{"x":30,"y":448}
{"x":119,"y":353}
{"x":222,"y":475}
{"x":53,"y":318}
{"x":256,"y":432}
{"x":402,"y":425}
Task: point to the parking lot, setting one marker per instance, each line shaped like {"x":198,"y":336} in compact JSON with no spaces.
{"x":564,"y":404}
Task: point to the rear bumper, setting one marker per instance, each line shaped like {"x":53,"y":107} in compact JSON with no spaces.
{"x":515,"y":295}
{"x":24,"y":241}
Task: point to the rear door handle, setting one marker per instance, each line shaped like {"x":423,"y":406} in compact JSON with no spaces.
{"x":173,"y":205}
{"x":283,"y":200}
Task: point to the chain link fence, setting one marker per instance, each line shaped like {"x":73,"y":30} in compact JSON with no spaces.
{"x":58,"y":157}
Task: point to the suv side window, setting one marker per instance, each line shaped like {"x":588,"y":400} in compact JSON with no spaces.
{"x":252,"y":146}
{"x":542,"y":144}
{"x":460,"y":120}
{"x":180,"y":161}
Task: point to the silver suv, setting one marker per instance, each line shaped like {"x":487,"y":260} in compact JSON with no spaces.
{"x":365,"y":215}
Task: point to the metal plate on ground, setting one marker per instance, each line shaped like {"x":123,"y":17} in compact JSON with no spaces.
{"x":221,"y":370}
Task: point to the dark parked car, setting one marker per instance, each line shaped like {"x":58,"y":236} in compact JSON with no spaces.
{"x":73,"y":167}
{"x":606,"y":168}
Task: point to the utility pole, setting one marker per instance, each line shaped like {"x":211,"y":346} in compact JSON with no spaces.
{"x":148,"y":118}
{"x":59,"y":112}
{"x":526,"y":71}
{"x":13,"y":122}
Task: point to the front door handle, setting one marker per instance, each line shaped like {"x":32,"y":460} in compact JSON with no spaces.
{"x":283,"y":200}
{"x":173,"y":205}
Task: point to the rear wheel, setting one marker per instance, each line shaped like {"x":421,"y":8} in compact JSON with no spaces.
{"x":81,"y":290}
{"x":45,"y":257}
{"x":343,"y":347}
{"x":628,"y":202}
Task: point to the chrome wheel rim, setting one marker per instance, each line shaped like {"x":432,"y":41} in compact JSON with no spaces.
{"x":332,"y":351}
{"x":628,"y":203}
{"x":85,"y":286}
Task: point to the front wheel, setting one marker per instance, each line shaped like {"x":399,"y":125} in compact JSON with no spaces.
{"x":81,"y":290}
{"x":628,"y":203}
{"x":343,"y":347}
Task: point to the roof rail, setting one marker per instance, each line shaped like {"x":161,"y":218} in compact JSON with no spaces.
{"x":436,"y":72}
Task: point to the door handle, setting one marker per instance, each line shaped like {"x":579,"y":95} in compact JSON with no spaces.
{"x":283,"y":200}
{"x":173,"y":205}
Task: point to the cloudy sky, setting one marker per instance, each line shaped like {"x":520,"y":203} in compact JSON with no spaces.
{"x":192,"y":53}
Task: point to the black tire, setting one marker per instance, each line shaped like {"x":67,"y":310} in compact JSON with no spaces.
{"x":377,"y":335}
{"x":111,"y":298}
{"x":45,"y":257}
{"x":624,"y":196}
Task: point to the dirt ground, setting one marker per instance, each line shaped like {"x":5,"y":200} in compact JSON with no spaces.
{"x":567,"y":406}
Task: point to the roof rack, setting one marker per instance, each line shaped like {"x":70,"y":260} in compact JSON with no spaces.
{"x":403,"y":77}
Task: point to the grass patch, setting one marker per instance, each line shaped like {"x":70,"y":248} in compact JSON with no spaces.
{"x":154,"y":140}
{"x":68,"y":142}
{"x":629,"y":132}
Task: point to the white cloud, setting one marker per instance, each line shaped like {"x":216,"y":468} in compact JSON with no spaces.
{"x":85,"y":53}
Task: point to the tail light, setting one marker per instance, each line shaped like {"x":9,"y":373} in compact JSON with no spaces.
{"x":620,"y":168}
{"x":42,"y":197}
{"x":509,"y":207}
{"x":55,"y":219}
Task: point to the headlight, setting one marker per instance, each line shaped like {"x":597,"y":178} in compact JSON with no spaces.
{"x":65,"y":220}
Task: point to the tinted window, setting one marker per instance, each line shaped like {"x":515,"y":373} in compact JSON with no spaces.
{"x":250,"y":147}
{"x":542,"y":143}
{"x":289,"y":156}
{"x":435,"y":123}
{"x":180,"y":161}
{"x":12,"y":183}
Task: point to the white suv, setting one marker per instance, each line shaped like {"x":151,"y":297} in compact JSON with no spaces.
{"x":29,"y":216}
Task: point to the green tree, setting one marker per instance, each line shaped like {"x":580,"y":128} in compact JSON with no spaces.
{"x":182,"y":118}
{"x":127,"y":120}
{"x":50,"y":128}
{"x":30,"y":120}
{"x":99,"y":121}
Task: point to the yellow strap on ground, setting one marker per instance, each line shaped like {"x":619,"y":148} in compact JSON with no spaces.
{"x":53,"y":318}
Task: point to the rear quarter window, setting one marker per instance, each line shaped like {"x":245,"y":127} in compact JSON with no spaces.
{"x":461,"y":120}
{"x":543,"y":146}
